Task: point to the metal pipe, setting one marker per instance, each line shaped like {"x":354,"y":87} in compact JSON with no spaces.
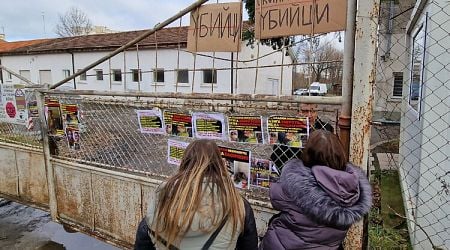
{"x":347,"y":76}
{"x":336,"y":100}
{"x":46,"y":150}
{"x":132,"y":42}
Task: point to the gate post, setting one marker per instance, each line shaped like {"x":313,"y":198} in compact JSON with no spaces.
{"x":46,"y":150}
{"x":362,"y":97}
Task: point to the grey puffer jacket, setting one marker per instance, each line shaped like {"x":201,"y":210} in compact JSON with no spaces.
{"x":318,"y":205}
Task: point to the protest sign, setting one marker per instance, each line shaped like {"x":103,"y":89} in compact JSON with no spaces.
{"x":215,"y":27}
{"x":278,"y":18}
{"x":178,"y":124}
{"x":238,"y":164}
{"x":175,"y":151}
{"x":263,"y":173}
{"x":209,"y":125}
{"x":150,"y":121}
{"x":71,"y":121}
{"x":13,"y":104}
{"x":291,"y":131}
{"x":245,"y":129}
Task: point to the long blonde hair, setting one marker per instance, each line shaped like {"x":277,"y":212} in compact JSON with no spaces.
{"x":179,"y":199}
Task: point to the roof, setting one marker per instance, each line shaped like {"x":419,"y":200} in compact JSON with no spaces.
{"x":167,"y":37}
{"x":170,"y":37}
{"x":11,"y":46}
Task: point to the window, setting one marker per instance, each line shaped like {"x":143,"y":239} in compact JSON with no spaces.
{"x":99,"y":74}
{"x":117,"y":75}
{"x":398,"y":84}
{"x":158,"y":75}
{"x":8,"y":76}
{"x":136,"y":74}
{"x":66,"y":73}
{"x":209,"y":76}
{"x":417,"y":52}
{"x":26,"y":74}
{"x":182,"y":76}
{"x":82,"y":76}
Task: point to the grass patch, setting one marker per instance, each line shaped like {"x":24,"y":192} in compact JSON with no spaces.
{"x":386,"y":229}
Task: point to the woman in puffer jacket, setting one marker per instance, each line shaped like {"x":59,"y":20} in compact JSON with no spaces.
{"x":319,"y":198}
{"x":198,"y":207}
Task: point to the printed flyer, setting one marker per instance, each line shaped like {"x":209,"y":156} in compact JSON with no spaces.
{"x":71,"y":123}
{"x":238,"y":164}
{"x":245,"y":129}
{"x":175,"y":151}
{"x":291,"y":131}
{"x":13,"y":108}
{"x":263,"y":173}
{"x":54,"y":117}
{"x":150,"y":121}
{"x":178,"y":124}
{"x":209,"y":125}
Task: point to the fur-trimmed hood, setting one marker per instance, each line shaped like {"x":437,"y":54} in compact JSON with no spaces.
{"x":327,"y":196}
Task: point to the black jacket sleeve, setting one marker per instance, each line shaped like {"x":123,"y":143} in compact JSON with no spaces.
{"x":248,"y":239}
{"x":143,"y":240}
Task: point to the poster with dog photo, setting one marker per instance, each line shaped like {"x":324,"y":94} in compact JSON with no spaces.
{"x":263,"y":173}
{"x":290,"y":131}
{"x":238,"y":164}
{"x":178,"y":124}
{"x":175,"y":151}
{"x":245,"y":129}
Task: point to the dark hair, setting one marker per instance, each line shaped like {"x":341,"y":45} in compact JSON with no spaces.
{"x":324,"y":148}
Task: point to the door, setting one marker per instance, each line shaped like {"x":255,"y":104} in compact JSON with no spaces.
{"x":273,"y":86}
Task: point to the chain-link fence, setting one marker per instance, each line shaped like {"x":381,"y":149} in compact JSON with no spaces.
{"x":109,"y":135}
{"x":410,"y":139}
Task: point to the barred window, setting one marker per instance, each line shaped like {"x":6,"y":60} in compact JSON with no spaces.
{"x":398,"y":84}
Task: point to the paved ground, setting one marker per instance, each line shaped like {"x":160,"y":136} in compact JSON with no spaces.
{"x":25,"y":228}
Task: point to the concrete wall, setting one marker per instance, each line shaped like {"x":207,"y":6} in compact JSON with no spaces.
{"x":100,"y":202}
{"x":166,"y":59}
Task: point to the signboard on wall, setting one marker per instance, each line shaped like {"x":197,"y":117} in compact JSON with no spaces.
{"x":278,"y":18}
{"x":13,"y":107}
{"x":215,"y":27}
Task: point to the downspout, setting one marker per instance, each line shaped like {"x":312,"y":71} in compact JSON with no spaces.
{"x":73,"y":70}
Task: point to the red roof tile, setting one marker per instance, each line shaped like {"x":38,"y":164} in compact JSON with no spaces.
{"x":10,"y":46}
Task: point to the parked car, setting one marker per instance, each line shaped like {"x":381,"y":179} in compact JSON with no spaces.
{"x":317,"y":88}
{"x":301,"y":92}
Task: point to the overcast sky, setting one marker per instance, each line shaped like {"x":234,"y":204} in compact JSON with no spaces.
{"x":23,"y":19}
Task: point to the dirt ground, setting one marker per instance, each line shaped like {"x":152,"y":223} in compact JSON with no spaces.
{"x":26,"y":228}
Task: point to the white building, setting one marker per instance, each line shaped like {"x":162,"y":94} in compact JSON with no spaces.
{"x":164,"y":66}
{"x":425,"y":126}
{"x":392,"y":54}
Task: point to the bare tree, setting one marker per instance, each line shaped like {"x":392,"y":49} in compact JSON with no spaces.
{"x":325,"y":58}
{"x":73,"y":23}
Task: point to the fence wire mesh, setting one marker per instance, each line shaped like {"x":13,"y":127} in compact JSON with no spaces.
{"x":110,"y":134}
{"x":411,"y":120}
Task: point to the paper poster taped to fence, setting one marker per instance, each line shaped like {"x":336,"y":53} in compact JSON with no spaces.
{"x":151,"y":121}
{"x":278,"y":18}
{"x":245,"y":129}
{"x":175,"y":151}
{"x":209,"y":125}
{"x":263,"y":173}
{"x":215,"y":27}
{"x":71,"y":122}
{"x":13,"y":104}
{"x":238,"y":164}
{"x":291,"y":131}
{"x":54,"y":118}
{"x":178,"y":124}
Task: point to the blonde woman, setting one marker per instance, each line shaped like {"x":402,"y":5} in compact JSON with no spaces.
{"x":198,"y":207}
